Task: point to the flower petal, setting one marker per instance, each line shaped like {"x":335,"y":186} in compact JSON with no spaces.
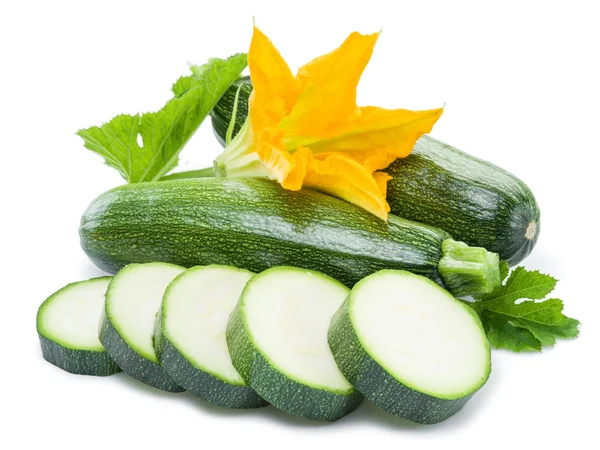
{"x":271,"y":151}
{"x":303,"y":161}
{"x":370,"y":127}
{"x":275,"y":87}
{"x":328,"y":85}
{"x":344,"y":177}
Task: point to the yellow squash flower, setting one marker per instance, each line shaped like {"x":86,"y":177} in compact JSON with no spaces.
{"x":306,"y":130}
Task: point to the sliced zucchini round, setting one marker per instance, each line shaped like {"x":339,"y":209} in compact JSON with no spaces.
{"x":67,"y":324}
{"x":190,"y":335}
{"x":132,"y":302}
{"x":409,"y":346}
{"x":277,"y":338}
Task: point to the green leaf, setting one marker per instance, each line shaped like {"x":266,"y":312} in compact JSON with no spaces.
{"x":522,"y":284}
{"x":163,"y":133}
{"x":503,"y":270}
{"x":512,"y":318}
{"x":503,"y":334}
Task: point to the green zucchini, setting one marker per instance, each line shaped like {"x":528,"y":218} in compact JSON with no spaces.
{"x":189,"y":337}
{"x":67,"y":325}
{"x":127,"y":322}
{"x":473,"y":200}
{"x":255,"y":224}
{"x":409,"y":346}
{"x":277,"y":337}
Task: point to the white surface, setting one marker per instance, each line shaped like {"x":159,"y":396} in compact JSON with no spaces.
{"x":195,"y":314}
{"x":71,"y":317}
{"x":288,"y":312}
{"x":133,"y":299}
{"x":419,"y":333}
{"x":520,"y":81}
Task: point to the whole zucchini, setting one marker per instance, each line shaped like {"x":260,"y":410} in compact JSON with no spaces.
{"x":473,"y":200}
{"x":255,"y":224}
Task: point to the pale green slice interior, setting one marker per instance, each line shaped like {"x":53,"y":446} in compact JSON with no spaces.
{"x":70,"y":316}
{"x":420,"y":334}
{"x":133,"y":300}
{"x":195,"y":311}
{"x":288,"y":311}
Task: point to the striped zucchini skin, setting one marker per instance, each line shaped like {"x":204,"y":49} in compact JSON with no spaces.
{"x":252,"y":224}
{"x":475,"y":201}
{"x":79,"y":362}
{"x":131,"y":362}
{"x":203,"y":384}
{"x":376,"y":383}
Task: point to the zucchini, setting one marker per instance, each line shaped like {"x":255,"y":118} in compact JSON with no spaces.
{"x":409,"y":346}
{"x":189,"y":337}
{"x":67,"y":325}
{"x":255,"y":224}
{"x":473,"y":200}
{"x":127,"y":322}
{"x":277,"y":337}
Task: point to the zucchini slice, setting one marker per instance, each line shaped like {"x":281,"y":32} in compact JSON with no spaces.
{"x":67,"y":324}
{"x":277,"y":338}
{"x":409,"y":346}
{"x":190,"y":335}
{"x":132,"y":301}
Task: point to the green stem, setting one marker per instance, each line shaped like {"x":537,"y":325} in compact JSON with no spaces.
{"x":468,"y":270}
{"x":207,"y":172}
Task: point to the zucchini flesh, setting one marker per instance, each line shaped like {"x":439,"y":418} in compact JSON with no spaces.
{"x":67,"y":325}
{"x":409,"y":346}
{"x":255,"y":224}
{"x":277,"y":337}
{"x":190,"y":335}
{"x":127,"y":323}
{"x":473,"y":200}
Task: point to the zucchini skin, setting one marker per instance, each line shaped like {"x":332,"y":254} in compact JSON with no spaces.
{"x":131,"y":362}
{"x":221,"y":113}
{"x":79,"y":362}
{"x":203,"y":384}
{"x":252,"y":224}
{"x":473,"y":200}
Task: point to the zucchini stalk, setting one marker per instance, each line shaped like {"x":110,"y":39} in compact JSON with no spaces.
{"x":467,"y":270}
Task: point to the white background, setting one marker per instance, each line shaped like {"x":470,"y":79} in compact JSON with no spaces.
{"x":520,"y":85}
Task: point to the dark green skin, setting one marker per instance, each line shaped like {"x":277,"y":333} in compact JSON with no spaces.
{"x":133,"y":363}
{"x":221,"y":114}
{"x":376,"y":384}
{"x":252,"y":224}
{"x":79,"y":362}
{"x":202,"y":384}
{"x":282,"y":392}
{"x":473,"y":200}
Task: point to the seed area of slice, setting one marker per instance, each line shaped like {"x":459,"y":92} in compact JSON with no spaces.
{"x":132,"y":302}
{"x":277,"y":338}
{"x":67,"y":325}
{"x":410,"y":346}
{"x":190,"y":335}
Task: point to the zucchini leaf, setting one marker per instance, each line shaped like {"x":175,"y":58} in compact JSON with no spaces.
{"x":163,"y":133}
{"x":515,"y":319}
